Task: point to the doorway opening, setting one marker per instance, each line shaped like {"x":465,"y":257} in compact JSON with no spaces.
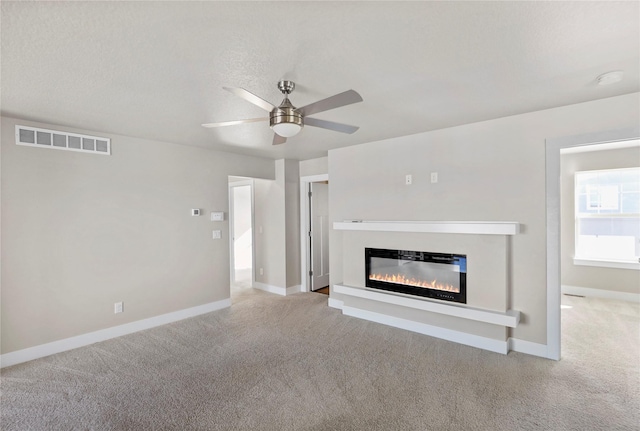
{"x":241,"y":232}
{"x":554,"y":147}
{"x":314,"y":214}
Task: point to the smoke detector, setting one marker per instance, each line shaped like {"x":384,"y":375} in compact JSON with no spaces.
{"x":610,"y":77}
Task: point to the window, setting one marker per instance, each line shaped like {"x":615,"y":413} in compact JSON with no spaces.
{"x":607,"y":213}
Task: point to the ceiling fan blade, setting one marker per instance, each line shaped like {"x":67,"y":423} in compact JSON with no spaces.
{"x":277,"y":139}
{"x":233,"y":123}
{"x":336,"y":101}
{"x":250,"y":97}
{"x":337,"y":127}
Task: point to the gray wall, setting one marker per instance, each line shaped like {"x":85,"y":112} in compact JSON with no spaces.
{"x":622,"y":280}
{"x":277,"y":214}
{"x":488,"y":171}
{"x":270,"y":231}
{"x":82,"y":231}
{"x":292,"y":220}
{"x":314,"y":166}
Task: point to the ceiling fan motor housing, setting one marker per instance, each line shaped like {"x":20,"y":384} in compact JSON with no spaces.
{"x":285,"y":114}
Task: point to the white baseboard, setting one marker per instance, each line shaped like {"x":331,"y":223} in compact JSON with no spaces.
{"x":529,"y":348}
{"x":335,"y":303}
{"x":270,"y":288}
{"x":294,"y":289}
{"x":282,"y":291}
{"x":600,"y":293}
{"x":47,"y":349}
{"x":490,"y":344}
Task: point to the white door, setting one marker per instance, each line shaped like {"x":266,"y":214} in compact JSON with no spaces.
{"x":319,"y":237}
{"x":241,"y":235}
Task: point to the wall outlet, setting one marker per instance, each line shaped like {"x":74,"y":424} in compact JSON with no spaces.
{"x":217,"y":216}
{"x":261,"y":271}
{"x":408,"y":180}
{"x":118,"y":307}
{"x":434,"y":177}
{"x":217,"y":234}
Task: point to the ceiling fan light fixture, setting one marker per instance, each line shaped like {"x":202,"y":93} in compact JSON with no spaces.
{"x":285,"y":121}
{"x":287,"y":130}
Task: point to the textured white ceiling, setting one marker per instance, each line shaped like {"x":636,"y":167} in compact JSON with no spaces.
{"x":156,"y":69}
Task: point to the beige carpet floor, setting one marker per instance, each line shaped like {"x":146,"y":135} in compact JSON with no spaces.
{"x":292,"y":363}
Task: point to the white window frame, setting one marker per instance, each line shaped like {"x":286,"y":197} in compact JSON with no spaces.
{"x":580,"y":260}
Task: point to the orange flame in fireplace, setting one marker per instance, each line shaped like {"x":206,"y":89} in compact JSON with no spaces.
{"x":401,"y":279}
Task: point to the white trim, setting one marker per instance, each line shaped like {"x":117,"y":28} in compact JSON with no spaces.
{"x":232,"y":265}
{"x":304,"y":227}
{"x":511,"y":318}
{"x":477,"y":341}
{"x":54,"y":347}
{"x":335,"y":303}
{"x":606,"y":263}
{"x":282,"y":291}
{"x":468,"y":227}
{"x":315,"y":178}
{"x":599,"y":147}
{"x":552,"y":177}
{"x":600,"y":293}
{"x":527,"y":347}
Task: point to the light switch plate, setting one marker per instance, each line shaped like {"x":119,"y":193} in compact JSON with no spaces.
{"x":217,"y":234}
{"x":195,"y":211}
{"x":217,"y":216}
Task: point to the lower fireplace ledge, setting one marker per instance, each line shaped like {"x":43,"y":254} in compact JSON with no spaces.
{"x":510,"y":318}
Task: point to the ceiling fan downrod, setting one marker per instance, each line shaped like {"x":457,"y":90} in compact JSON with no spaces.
{"x":284,"y":120}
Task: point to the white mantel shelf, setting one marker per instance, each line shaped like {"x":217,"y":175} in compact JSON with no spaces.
{"x":510,"y":318}
{"x":469,"y":227}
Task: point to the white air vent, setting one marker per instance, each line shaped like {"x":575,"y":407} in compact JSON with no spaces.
{"x":44,"y":138}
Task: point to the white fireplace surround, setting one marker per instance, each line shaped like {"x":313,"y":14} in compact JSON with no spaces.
{"x":466,"y":227}
{"x":507,"y":319}
{"x":510,"y":318}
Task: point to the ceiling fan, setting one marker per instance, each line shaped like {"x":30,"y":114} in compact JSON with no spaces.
{"x":286,"y":120}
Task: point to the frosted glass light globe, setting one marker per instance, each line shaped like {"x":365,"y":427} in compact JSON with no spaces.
{"x":287,"y":130}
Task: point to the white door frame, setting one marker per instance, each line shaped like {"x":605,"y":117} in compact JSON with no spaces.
{"x":232,"y":264}
{"x":553,"y":147}
{"x":305,"y":262}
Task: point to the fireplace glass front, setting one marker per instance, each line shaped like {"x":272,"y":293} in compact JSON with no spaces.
{"x":432,"y":275}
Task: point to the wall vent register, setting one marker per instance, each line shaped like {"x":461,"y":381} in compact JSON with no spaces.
{"x":57,"y":140}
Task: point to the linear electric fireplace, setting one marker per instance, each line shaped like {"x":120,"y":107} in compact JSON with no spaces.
{"x":432,"y":275}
